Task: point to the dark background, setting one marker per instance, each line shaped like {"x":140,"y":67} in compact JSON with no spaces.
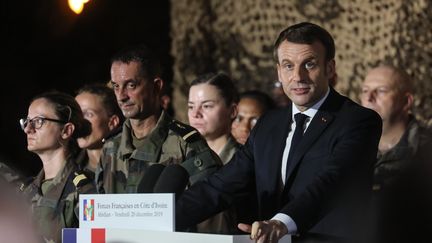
{"x":46,"y":46}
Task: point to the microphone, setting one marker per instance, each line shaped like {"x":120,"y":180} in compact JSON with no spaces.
{"x":150,"y":178}
{"x":173,"y":179}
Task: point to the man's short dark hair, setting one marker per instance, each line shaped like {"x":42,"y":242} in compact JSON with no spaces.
{"x":306,"y":33}
{"x":150,"y":65}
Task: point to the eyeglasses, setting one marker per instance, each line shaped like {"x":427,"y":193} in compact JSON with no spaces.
{"x":37,"y":122}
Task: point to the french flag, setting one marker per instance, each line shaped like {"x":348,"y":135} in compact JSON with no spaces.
{"x":88,"y":236}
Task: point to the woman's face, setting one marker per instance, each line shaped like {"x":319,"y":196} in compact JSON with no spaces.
{"x":249,"y":110}
{"x":48,"y":136}
{"x":94,"y":111}
{"x":208,"y":112}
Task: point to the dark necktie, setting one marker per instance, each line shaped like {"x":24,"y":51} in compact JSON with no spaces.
{"x":297,"y":136}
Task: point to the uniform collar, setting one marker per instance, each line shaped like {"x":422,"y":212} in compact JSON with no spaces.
{"x":407,"y":145}
{"x":154,"y":141}
{"x":59,"y":180}
{"x":228,"y":149}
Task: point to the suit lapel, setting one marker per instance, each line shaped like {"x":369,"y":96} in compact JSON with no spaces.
{"x":270,"y":173}
{"x":275,"y":148}
{"x":317,"y":126}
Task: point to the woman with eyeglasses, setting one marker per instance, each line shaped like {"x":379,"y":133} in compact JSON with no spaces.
{"x":53,"y":124}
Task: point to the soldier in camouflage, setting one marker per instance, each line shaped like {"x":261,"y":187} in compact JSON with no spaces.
{"x":149,"y":134}
{"x":99,"y":106}
{"x":55,"y":202}
{"x":53,"y":124}
{"x":389,"y":91}
{"x":212,"y":106}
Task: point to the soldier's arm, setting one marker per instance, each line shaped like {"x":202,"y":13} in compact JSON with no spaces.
{"x":99,"y":177}
{"x":83,"y":185}
{"x":200,"y":161}
{"x":102,"y":171}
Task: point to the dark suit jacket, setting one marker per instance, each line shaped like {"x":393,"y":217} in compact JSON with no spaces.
{"x":330,"y":173}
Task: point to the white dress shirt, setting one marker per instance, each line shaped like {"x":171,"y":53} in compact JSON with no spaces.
{"x":287,"y":220}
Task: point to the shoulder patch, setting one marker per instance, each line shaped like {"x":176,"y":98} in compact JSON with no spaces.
{"x":80,"y":179}
{"x":188,"y":133}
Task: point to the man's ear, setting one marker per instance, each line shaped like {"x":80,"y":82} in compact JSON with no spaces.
{"x":114,"y":121}
{"x":331,"y":69}
{"x":68,"y":130}
{"x":234,"y":111}
{"x":158,"y":84}
{"x":409,"y":101}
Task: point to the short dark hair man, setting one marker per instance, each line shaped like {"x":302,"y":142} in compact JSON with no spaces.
{"x":149,"y":135}
{"x":309,"y":178}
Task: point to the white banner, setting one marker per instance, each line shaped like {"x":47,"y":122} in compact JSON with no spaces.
{"x":147,"y":211}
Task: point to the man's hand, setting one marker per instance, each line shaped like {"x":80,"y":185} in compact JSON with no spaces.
{"x":267,"y":231}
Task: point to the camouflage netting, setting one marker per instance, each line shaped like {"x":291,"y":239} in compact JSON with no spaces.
{"x":237,"y":37}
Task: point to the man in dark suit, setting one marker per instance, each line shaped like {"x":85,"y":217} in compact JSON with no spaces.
{"x":310,"y":172}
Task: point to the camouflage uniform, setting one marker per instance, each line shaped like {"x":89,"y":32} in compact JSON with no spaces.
{"x":224,"y":222}
{"x":229,"y":150}
{"x":391,"y":164}
{"x":82,"y":160}
{"x":170,"y":142}
{"x":55,"y":206}
{"x":401,"y":190}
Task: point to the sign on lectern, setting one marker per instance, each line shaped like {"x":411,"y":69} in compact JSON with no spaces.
{"x":136,"y":218}
{"x":149,"y":211}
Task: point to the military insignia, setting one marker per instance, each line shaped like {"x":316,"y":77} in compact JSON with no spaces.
{"x":188,"y":133}
{"x":180,"y":125}
{"x":79,"y":179}
{"x":185,"y":137}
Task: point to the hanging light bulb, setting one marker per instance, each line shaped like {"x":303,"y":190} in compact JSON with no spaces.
{"x":77,"y":5}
